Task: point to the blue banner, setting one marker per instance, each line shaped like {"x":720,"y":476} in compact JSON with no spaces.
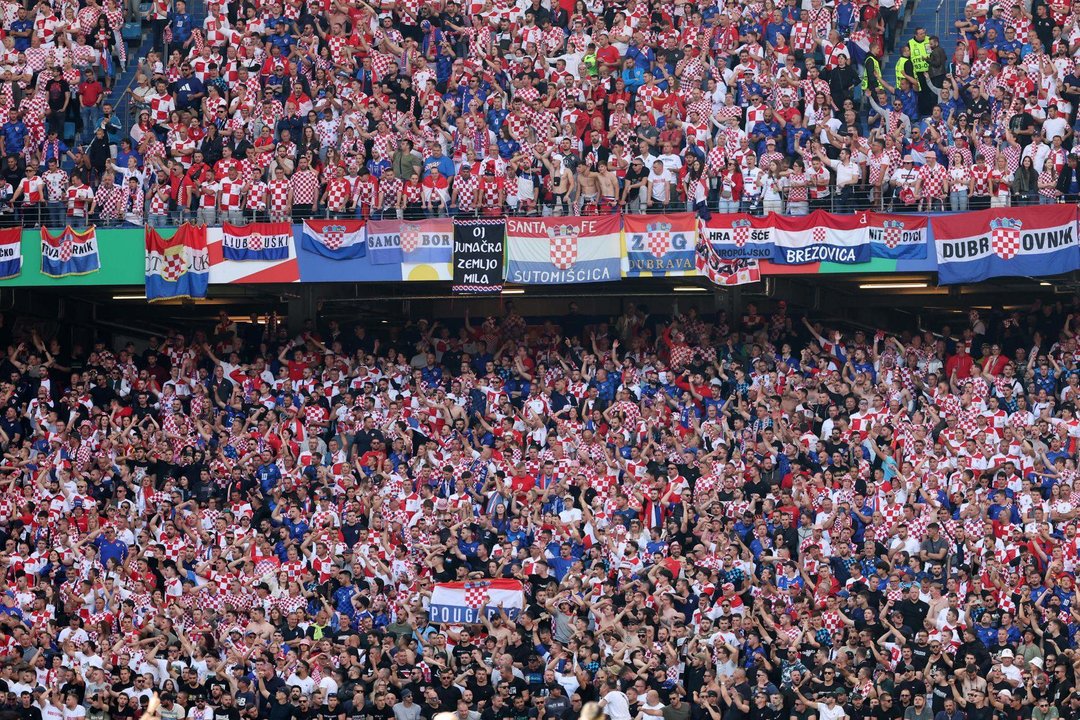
{"x":335,"y":239}
{"x":898,"y":237}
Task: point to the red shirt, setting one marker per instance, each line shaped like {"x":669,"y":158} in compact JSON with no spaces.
{"x":90,"y":92}
{"x":962,"y":364}
{"x":608,"y":55}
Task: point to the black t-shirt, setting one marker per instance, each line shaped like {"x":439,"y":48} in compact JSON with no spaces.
{"x":1021,"y":121}
{"x":481,"y":692}
{"x":57,"y":91}
{"x":325,"y":713}
{"x":278,"y":711}
{"x":634,"y":177}
{"x":372,"y":712}
{"x":29,"y":713}
{"x":223,"y":713}
{"x":196,"y":689}
{"x":448,"y":696}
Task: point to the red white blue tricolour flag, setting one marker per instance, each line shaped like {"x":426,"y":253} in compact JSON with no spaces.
{"x":462,"y":602}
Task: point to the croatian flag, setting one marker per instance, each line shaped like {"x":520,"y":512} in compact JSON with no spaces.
{"x":1017,"y":241}
{"x":897,"y":237}
{"x":462,"y":602}
{"x":564,"y":250}
{"x":738,"y":236}
{"x":336,"y":239}
{"x":659,"y":245}
{"x":10,"y":252}
{"x":177,"y":266}
{"x":257,"y":242}
{"x":821,"y":237}
{"x":69,"y":253}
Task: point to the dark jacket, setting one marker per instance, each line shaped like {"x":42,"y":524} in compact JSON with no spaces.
{"x":1069,"y":174}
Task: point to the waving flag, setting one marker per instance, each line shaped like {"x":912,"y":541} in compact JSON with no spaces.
{"x":463,"y":602}
{"x":256,"y":242}
{"x":177,"y":266}
{"x":1032,"y":241}
{"x":738,"y":236}
{"x":10,"y":252}
{"x":552,"y":251}
{"x":821,"y":237}
{"x":897,"y":237}
{"x":336,"y":239}
{"x":69,"y":253}
{"x":725,"y":272}
{"x":659,"y":245}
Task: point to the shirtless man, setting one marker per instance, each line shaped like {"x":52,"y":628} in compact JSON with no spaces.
{"x":588,"y":192}
{"x":608,"y":184}
{"x":562,"y":182}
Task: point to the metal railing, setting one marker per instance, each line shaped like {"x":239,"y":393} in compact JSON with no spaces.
{"x":859,"y":199}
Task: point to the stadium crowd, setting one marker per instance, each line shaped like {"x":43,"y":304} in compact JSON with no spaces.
{"x":285,"y":110}
{"x":713,"y":517}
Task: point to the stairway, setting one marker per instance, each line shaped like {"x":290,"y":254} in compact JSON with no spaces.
{"x":120,"y":98}
{"x":937,"y":16}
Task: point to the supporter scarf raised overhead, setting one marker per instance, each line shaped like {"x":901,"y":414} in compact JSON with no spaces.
{"x":1032,"y":241}
{"x":659,"y":245}
{"x":479,"y":248}
{"x":177,"y":266}
{"x":256,"y":242}
{"x":69,"y":253}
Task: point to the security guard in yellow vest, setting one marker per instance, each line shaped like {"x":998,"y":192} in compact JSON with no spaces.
{"x":905,"y":69}
{"x":920,"y":51}
{"x":919,"y":47}
{"x":871,"y":79}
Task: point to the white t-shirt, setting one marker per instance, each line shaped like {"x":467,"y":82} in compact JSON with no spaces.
{"x":617,"y":705}
{"x":824,"y":713}
{"x":659,"y":183}
{"x":76,"y":713}
{"x":1055,"y":126}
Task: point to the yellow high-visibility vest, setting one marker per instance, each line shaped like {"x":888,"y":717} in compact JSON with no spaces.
{"x":920,"y":54}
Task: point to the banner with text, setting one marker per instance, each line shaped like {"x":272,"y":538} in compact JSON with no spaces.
{"x":177,"y":266}
{"x":738,"y":236}
{"x":11,"y":257}
{"x":565,"y":250}
{"x":1032,"y":241}
{"x":897,"y":237}
{"x":820,"y":237}
{"x":659,"y":245}
{"x":72,"y":252}
{"x":479,"y":245}
{"x":411,"y":242}
{"x":257,"y":242}
{"x":463,"y":603}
